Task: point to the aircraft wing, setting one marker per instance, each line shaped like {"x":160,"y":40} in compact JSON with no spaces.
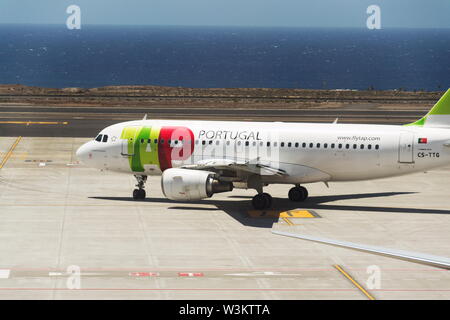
{"x":422,"y":258}
{"x":253,"y":166}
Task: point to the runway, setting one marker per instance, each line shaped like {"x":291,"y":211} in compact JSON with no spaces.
{"x":76,"y":121}
{"x":58,"y":216}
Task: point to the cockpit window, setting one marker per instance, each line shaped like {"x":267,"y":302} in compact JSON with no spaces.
{"x":99,"y":138}
{"x":105,"y":138}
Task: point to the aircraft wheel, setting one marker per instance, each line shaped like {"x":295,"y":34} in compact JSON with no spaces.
{"x":298,"y":194}
{"x":262,"y":201}
{"x":268,"y":198}
{"x":139,"y":194}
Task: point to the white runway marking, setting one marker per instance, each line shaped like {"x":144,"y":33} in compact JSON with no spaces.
{"x":4,"y":273}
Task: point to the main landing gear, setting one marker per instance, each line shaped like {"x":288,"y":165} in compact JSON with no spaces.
{"x":139,"y":194}
{"x":264,"y":200}
{"x":298,"y":194}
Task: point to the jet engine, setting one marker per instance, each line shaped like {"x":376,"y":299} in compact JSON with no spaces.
{"x":186,"y":184}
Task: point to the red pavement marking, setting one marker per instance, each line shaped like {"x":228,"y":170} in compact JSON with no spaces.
{"x":190,"y":274}
{"x":167,"y":289}
{"x":226,"y":269}
{"x":143,"y":274}
{"x":215,"y":289}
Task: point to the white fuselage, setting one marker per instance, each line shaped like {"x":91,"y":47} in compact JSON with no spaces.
{"x":306,"y":152}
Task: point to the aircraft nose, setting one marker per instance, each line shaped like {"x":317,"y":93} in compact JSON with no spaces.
{"x":83,"y":152}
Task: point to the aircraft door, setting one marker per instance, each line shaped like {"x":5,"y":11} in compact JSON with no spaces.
{"x":406,"y":147}
{"x":127,"y":147}
{"x":128,"y":137}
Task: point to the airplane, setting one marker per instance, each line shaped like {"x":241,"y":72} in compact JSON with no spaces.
{"x":197,"y":159}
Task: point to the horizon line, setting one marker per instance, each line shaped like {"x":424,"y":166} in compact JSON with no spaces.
{"x":218,"y":26}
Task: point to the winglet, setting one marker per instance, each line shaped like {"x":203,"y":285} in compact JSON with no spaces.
{"x":335,"y":121}
{"x":438,"y":116}
{"x":145,"y":117}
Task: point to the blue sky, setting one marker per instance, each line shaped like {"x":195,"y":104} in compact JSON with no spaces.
{"x":291,"y":13}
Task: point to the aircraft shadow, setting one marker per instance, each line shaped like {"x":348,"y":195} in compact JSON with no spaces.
{"x":237,"y":209}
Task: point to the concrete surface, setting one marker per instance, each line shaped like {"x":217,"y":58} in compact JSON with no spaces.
{"x":60,"y":214}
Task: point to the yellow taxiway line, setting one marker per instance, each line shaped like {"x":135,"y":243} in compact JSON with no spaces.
{"x":287,"y":221}
{"x":34,"y":122}
{"x":295,"y":213}
{"x":8,"y":155}
{"x":341,"y":270}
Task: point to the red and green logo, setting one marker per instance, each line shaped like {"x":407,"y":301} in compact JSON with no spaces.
{"x":156,"y":146}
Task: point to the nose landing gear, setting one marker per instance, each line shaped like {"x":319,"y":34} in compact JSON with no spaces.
{"x":139,"y":194}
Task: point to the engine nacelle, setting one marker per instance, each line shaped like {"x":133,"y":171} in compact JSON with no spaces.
{"x":185,"y":184}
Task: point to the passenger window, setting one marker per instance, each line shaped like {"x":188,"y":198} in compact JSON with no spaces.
{"x":246,"y":143}
{"x":332,"y":146}
{"x":142,"y":140}
{"x":161,"y":141}
{"x":282,"y":144}
{"x":325,"y":145}
{"x":289,"y":144}
{"x":239,"y":143}
{"x":296,"y":144}
{"x":369,"y":146}
{"x":304,"y":145}
{"x":228,"y":143}
{"x":318,"y":145}
{"x":347,"y":146}
{"x":311,"y":145}
{"x":99,"y":138}
{"x":340,"y":145}
{"x":362,"y":146}
{"x":377,"y":147}
{"x":210,"y":142}
{"x":355,"y":146}
{"x":203,"y":142}
{"x":217,"y":142}
{"x":275,"y":144}
{"x":268,"y":144}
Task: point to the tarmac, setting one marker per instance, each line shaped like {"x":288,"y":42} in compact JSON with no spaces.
{"x":72,"y":232}
{"x":28,"y":120}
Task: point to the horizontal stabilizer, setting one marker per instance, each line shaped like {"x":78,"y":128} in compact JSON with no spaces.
{"x":422,"y":258}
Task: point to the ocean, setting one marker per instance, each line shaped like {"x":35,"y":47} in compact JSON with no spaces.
{"x":311,"y":58}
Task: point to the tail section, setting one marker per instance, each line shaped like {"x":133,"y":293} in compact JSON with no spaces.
{"x":438,"y":116}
